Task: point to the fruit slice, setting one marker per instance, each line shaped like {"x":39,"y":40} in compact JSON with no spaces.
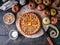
{"x":53,"y":12}
{"x":40,"y":7}
{"x":46,"y":21}
{"x":46,"y":2}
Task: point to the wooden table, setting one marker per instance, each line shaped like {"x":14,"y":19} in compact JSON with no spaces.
{"x":4,"y":30}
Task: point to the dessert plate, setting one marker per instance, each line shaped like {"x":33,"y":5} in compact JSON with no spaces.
{"x":25,"y":9}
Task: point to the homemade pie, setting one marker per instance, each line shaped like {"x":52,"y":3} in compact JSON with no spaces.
{"x":29,"y":23}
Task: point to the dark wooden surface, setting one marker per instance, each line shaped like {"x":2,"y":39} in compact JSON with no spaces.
{"x":4,"y":30}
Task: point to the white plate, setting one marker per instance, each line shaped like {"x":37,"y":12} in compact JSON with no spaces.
{"x":25,"y":10}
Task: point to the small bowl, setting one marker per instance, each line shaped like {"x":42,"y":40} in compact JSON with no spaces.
{"x":12,"y":36}
{"x":7,"y":18}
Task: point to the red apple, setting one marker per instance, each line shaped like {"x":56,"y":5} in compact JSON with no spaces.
{"x":15,"y":8}
{"x":53,"y":20}
{"x":32,"y":5}
{"x":45,"y":13}
{"x":40,"y":7}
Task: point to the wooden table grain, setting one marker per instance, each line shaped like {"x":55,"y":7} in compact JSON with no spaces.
{"x":4,"y":30}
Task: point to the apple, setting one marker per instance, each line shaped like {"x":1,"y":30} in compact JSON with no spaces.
{"x":46,"y":21}
{"x":53,"y":20}
{"x":53,"y":12}
{"x":38,"y":1}
{"x":31,"y":5}
{"x":40,"y":7}
{"x":47,"y":2}
{"x":15,"y":8}
{"x":45,"y":13}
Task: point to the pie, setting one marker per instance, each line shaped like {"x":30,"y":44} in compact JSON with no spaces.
{"x":29,"y":23}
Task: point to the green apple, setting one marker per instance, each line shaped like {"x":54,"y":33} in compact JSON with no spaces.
{"x":46,"y":20}
{"x":53,"y":12}
{"x":46,"y":2}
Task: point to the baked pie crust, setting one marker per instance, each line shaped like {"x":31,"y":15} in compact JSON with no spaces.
{"x":29,"y":23}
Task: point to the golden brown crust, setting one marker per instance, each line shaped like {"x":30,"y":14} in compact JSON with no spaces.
{"x":29,"y":23}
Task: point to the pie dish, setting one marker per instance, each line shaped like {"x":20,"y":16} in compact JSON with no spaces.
{"x":39,"y":33}
{"x":29,"y":23}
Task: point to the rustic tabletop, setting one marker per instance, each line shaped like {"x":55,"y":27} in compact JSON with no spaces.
{"x":4,"y":30}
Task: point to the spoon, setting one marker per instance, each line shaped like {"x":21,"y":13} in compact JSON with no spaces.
{"x":13,"y":35}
